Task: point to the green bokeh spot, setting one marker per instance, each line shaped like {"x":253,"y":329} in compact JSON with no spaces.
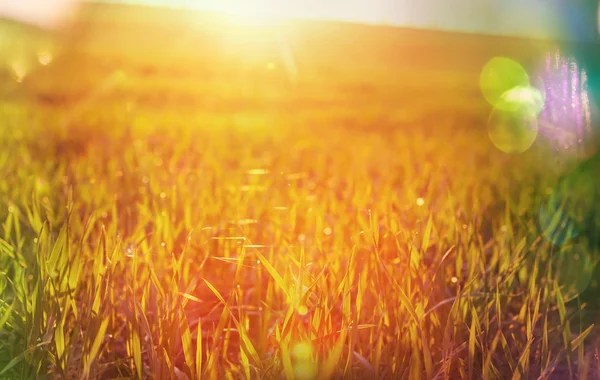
{"x":512,"y":132}
{"x":525,"y":101}
{"x":499,"y":76}
{"x":574,"y":267}
{"x":572,"y":208}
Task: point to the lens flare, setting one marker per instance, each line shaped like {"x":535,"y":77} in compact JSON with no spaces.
{"x":22,"y":48}
{"x":29,"y":34}
{"x":574,"y":269}
{"x":304,"y":366}
{"x":570,"y":210}
{"x":539,"y":83}
{"x":512,"y":126}
{"x":499,"y":76}
{"x":19,"y":70}
{"x":566,"y":118}
{"x":305,"y":371}
{"x":302,"y":351}
{"x":568,"y":221}
{"x":302,"y":310}
{"x":525,"y":100}
{"x":45,"y":57}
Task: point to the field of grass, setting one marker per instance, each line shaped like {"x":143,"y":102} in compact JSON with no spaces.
{"x":173,"y":205}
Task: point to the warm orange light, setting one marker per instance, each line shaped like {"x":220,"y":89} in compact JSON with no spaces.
{"x":302,"y":351}
{"x":257,"y":13}
{"x":45,"y":58}
{"x":302,"y":310}
{"x":43,"y":13}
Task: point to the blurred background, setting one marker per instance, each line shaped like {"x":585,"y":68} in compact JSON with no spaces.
{"x":278,"y":50}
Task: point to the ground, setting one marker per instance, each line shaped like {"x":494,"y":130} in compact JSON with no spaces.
{"x":179,"y":200}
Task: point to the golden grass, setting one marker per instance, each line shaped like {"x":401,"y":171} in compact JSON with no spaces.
{"x":170,"y":227}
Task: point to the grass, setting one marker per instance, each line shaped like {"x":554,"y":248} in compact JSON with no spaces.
{"x":167,"y":223}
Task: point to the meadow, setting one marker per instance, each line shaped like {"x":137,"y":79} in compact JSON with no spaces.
{"x":179,"y":200}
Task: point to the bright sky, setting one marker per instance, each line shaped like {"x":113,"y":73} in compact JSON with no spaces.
{"x":535,"y":18}
{"x":45,"y":13}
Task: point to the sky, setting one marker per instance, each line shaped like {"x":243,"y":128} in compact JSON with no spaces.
{"x":572,"y":19}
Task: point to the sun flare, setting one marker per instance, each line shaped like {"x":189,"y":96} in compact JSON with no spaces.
{"x":259,"y":13}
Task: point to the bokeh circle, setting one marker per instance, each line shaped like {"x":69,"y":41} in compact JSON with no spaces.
{"x":499,"y":76}
{"x":513,"y":125}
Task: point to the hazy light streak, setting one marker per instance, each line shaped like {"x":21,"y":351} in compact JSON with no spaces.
{"x":566,"y":115}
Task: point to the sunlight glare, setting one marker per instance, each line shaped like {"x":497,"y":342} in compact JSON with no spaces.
{"x":526,"y":99}
{"x":257,"y":13}
{"x":20,"y":71}
{"x":45,"y":58}
{"x":302,"y":310}
{"x":47,"y":14}
{"x":31,"y":33}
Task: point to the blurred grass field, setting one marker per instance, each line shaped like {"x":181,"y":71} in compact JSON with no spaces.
{"x":176,"y":204}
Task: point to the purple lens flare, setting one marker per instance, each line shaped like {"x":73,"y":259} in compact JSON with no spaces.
{"x":565,"y":118}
